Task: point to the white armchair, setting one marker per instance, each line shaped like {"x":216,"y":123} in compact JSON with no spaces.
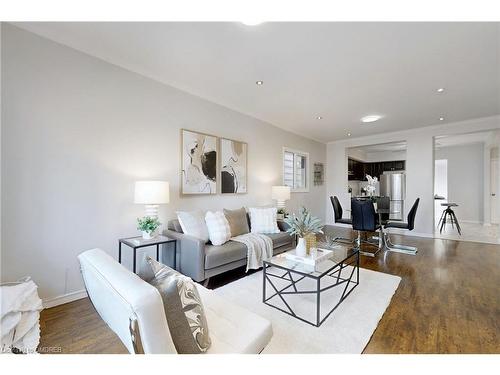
{"x":133,"y":309}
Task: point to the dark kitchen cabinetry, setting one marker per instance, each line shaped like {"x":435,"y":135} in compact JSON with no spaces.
{"x":358,"y":170}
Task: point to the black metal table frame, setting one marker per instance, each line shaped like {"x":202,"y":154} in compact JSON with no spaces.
{"x":334,"y":272}
{"x":157,"y":244}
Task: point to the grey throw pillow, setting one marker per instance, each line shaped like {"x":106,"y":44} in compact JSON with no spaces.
{"x":183,"y":309}
{"x":238,"y":221}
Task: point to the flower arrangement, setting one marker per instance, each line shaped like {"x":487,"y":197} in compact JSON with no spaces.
{"x":372,"y":181}
{"x":148,"y":225}
{"x":304,"y":226}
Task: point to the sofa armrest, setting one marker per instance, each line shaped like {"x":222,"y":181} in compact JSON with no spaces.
{"x":191,"y":255}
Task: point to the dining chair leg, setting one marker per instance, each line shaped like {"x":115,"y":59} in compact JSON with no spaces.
{"x":404,"y":249}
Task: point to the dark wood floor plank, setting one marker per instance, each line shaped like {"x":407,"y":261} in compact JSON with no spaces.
{"x":448,"y":301}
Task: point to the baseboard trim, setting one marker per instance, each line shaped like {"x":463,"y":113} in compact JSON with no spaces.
{"x":65,"y":298}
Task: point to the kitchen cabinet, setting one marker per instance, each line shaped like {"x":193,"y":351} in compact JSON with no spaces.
{"x":358,"y":170}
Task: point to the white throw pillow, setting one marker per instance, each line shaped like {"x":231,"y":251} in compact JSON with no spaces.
{"x":263,"y":220}
{"x":193,"y":224}
{"x":219,"y":231}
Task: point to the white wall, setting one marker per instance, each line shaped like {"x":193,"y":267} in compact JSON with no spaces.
{"x":77,"y":133}
{"x":419,"y":164}
{"x":465,"y":179}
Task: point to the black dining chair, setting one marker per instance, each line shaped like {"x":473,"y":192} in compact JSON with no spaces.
{"x":409,"y":225}
{"x":337,"y":217}
{"x":364,"y":220}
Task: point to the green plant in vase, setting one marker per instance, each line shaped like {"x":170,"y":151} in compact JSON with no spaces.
{"x":281,"y":213}
{"x":148,"y":225}
{"x":302,"y":226}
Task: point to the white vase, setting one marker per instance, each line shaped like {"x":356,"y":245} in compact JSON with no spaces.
{"x":147,"y":235}
{"x":301,"y":250}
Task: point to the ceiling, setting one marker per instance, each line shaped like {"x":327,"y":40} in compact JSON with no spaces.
{"x":463,"y":139}
{"x":384,"y":147}
{"x":339,"y":71}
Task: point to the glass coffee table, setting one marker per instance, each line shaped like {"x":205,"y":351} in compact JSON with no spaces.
{"x":295,"y":288}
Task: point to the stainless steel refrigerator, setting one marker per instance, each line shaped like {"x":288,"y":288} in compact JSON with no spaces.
{"x":393,"y":185}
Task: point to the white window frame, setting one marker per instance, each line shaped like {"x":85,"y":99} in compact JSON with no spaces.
{"x":301,"y":153}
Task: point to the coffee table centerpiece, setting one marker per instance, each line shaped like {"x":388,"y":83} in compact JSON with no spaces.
{"x":303,"y":225}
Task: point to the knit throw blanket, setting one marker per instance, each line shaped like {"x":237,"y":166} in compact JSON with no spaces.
{"x":259,"y":248}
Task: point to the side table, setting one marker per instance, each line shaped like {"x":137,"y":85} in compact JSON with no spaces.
{"x":138,"y":242}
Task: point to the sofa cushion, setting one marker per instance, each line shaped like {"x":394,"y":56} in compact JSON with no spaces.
{"x":175,"y":225}
{"x":263,"y":220}
{"x":280,"y":239}
{"x":238,"y":221}
{"x":219,"y":231}
{"x":231,"y":251}
{"x":234,"y":329}
{"x":193,"y":224}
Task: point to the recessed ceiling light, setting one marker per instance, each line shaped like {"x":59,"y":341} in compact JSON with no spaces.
{"x":371,"y":118}
{"x":319,"y":118}
{"x":441,"y":89}
{"x":259,"y":83}
{"x":251,"y":22}
{"x":348,"y":134}
{"x":441,"y":119}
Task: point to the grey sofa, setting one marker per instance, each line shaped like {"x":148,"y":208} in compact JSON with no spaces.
{"x":200,"y":260}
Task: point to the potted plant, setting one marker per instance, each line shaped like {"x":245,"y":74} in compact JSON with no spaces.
{"x":303,"y":225}
{"x":281,"y":214}
{"x":148,"y":225}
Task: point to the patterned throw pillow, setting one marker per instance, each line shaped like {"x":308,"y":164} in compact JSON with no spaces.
{"x":219,"y":231}
{"x":183,"y":309}
{"x":193,"y":224}
{"x":263,"y":220}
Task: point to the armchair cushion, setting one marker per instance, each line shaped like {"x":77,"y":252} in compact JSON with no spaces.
{"x":183,"y":309}
{"x":234,"y":329}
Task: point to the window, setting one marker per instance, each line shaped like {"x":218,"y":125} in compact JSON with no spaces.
{"x":296,"y":170}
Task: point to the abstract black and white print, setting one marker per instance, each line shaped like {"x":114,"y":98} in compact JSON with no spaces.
{"x":199,"y":163}
{"x":233,"y":166}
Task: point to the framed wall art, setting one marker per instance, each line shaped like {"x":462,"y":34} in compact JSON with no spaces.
{"x":233,"y":157}
{"x":198,"y":163}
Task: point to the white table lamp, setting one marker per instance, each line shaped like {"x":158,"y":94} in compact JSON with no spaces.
{"x":280,"y":194}
{"x":151,"y":194}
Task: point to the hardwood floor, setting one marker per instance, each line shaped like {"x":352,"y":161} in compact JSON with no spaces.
{"x":448,"y":302}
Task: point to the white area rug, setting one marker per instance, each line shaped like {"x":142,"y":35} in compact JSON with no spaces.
{"x":347,"y":330}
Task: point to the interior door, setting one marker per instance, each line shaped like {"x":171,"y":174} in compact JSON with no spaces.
{"x":494,"y":190}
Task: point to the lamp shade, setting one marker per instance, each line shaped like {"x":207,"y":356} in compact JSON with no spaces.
{"x":281,"y":193}
{"x":151,"y":192}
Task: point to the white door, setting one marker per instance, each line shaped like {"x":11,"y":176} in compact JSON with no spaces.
{"x":494,"y":190}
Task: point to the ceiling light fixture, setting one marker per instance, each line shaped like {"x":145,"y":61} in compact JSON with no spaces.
{"x":370,"y":118}
{"x":348,"y":134}
{"x":441,"y":89}
{"x":251,"y":22}
{"x":441,"y":119}
{"x":259,"y":83}
{"x":319,"y":118}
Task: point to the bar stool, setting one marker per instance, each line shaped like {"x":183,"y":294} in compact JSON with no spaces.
{"x":448,"y":216}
